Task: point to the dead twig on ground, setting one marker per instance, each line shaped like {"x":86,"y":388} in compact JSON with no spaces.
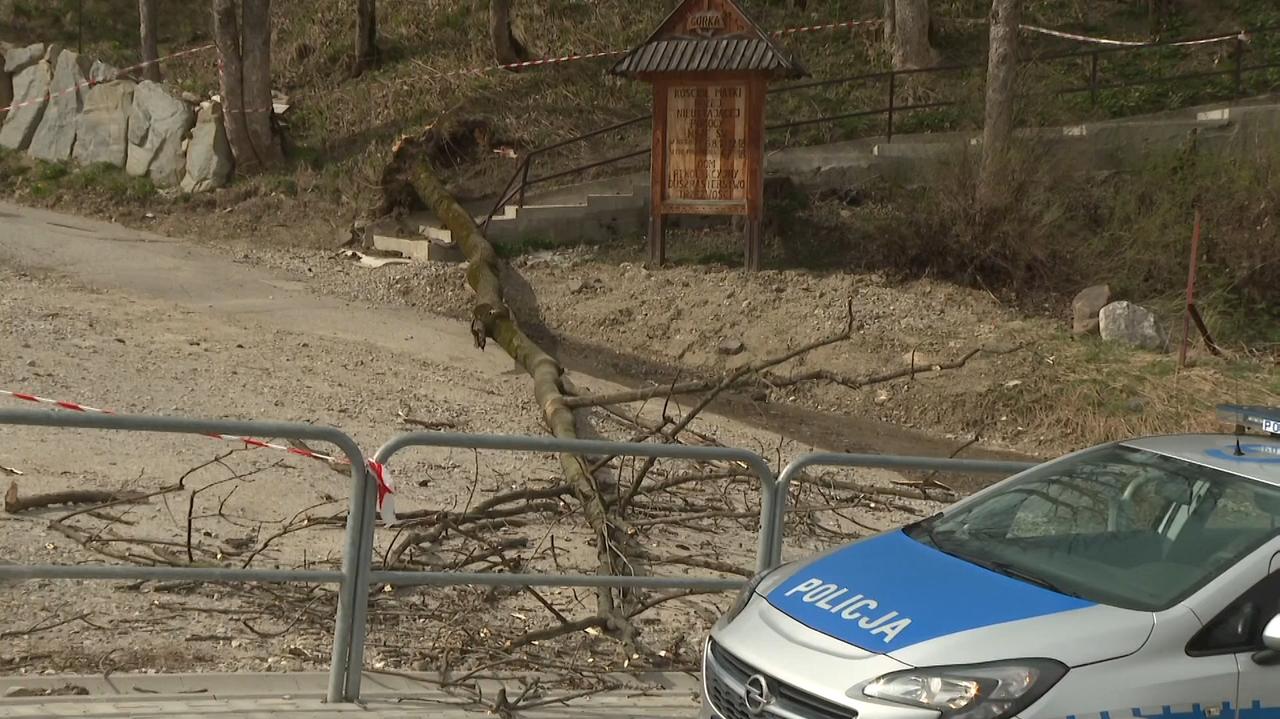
{"x":42,"y":626}
{"x":13,"y":503}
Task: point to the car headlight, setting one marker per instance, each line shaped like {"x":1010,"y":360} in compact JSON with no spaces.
{"x":977,"y":691}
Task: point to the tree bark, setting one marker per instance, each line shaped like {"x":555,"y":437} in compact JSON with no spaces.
{"x":507,"y":48}
{"x":890,"y":15}
{"x":1002,"y":69}
{"x":255,"y":43}
{"x":493,"y":319}
{"x":150,"y":43}
{"x":226,"y":33}
{"x":366,"y":34}
{"x":911,"y":47}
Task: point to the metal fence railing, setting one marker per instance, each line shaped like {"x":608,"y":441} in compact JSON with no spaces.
{"x":1084,"y":70}
{"x":874,"y":461}
{"x":351,"y":557}
{"x":358,"y":574}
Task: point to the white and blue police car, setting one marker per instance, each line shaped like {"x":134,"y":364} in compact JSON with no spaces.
{"x":1134,"y":579}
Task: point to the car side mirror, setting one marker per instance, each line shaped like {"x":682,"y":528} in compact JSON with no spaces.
{"x":1271,"y":634}
{"x":1270,"y":656}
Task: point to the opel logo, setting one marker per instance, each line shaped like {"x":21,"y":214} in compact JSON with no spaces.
{"x":757,"y":695}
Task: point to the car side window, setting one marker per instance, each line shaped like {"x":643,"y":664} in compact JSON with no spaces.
{"x":1239,"y":627}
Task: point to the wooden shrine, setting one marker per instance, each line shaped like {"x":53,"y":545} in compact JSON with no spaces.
{"x":710,"y":67}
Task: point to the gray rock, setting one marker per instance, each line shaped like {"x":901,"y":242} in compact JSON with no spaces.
{"x":102,"y":72}
{"x":20,"y":58}
{"x":158,"y":126}
{"x":6,"y":94}
{"x":102,"y":130}
{"x":731,"y":347}
{"x":1131,"y":324}
{"x":31,"y":92}
{"x":1085,"y":308}
{"x":56,"y":135}
{"x":209,"y":159}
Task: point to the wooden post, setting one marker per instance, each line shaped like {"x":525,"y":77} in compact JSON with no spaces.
{"x":1193,"y":312}
{"x":755,"y":172}
{"x":657,"y":184}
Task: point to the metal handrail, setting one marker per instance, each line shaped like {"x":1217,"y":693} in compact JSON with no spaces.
{"x":383,"y":456}
{"x":357,"y":574}
{"x":520,"y":181}
{"x":874,"y":461}
{"x":362,"y":494}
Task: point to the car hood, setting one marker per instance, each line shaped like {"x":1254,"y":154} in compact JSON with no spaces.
{"x":890,"y":594}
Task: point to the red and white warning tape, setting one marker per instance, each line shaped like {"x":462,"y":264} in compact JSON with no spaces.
{"x":1130,"y":43}
{"x":614,"y":53}
{"x":386,"y":488}
{"x":90,"y":83}
{"x":829,"y":26}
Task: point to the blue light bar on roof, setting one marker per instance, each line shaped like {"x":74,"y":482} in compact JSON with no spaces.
{"x":1266,"y":419}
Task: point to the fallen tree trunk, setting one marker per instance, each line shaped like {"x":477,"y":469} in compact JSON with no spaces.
{"x":493,"y":319}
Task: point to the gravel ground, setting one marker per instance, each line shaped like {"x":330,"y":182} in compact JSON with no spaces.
{"x":72,"y":334}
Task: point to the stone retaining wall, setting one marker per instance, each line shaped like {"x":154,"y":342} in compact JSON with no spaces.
{"x":67,"y":107}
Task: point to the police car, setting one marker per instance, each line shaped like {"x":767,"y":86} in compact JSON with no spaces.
{"x":1134,"y":579}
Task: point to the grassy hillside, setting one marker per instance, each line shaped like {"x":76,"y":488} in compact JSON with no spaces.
{"x":341,"y":126}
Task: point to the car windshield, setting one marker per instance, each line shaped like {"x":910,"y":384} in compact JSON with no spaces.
{"x":1115,"y":525}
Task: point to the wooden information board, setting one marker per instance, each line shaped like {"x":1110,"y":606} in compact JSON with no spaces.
{"x":710,"y":67}
{"x":706,"y":163}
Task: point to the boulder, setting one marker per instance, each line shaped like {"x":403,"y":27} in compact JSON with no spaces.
{"x":1085,"y":308}
{"x":30,"y":97}
{"x":18,"y":59}
{"x":56,"y":135}
{"x":1131,"y":324}
{"x":6,"y":94}
{"x":102,"y":130}
{"x":158,"y":125}
{"x":209,"y":160}
{"x":102,"y":72}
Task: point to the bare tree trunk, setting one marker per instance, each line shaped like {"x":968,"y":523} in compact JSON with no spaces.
{"x":226,"y":33}
{"x":507,"y":48}
{"x":911,"y":48}
{"x":890,"y":16}
{"x":366,"y":34}
{"x":150,"y":44}
{"x":1002,"y":69}
{"x":255,"y":33}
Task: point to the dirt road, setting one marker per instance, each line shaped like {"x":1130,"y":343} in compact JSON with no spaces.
{"x":140,"y":323}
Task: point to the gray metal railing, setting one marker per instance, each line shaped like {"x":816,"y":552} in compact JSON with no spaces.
{"x":874,"y":461}
{"x":357,"y":574}
{"x":757,"y":465}
{"x":361,"y":489}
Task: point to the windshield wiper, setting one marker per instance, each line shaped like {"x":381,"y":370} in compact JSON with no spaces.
{"x":1011,"y":571}
{"x":927,"y":526}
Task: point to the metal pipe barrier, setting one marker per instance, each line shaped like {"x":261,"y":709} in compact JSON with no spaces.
{"x":757,"y":464}
{"x":872,"y":461}
{"x":357,"y":574}
{"x":362,"y":493}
